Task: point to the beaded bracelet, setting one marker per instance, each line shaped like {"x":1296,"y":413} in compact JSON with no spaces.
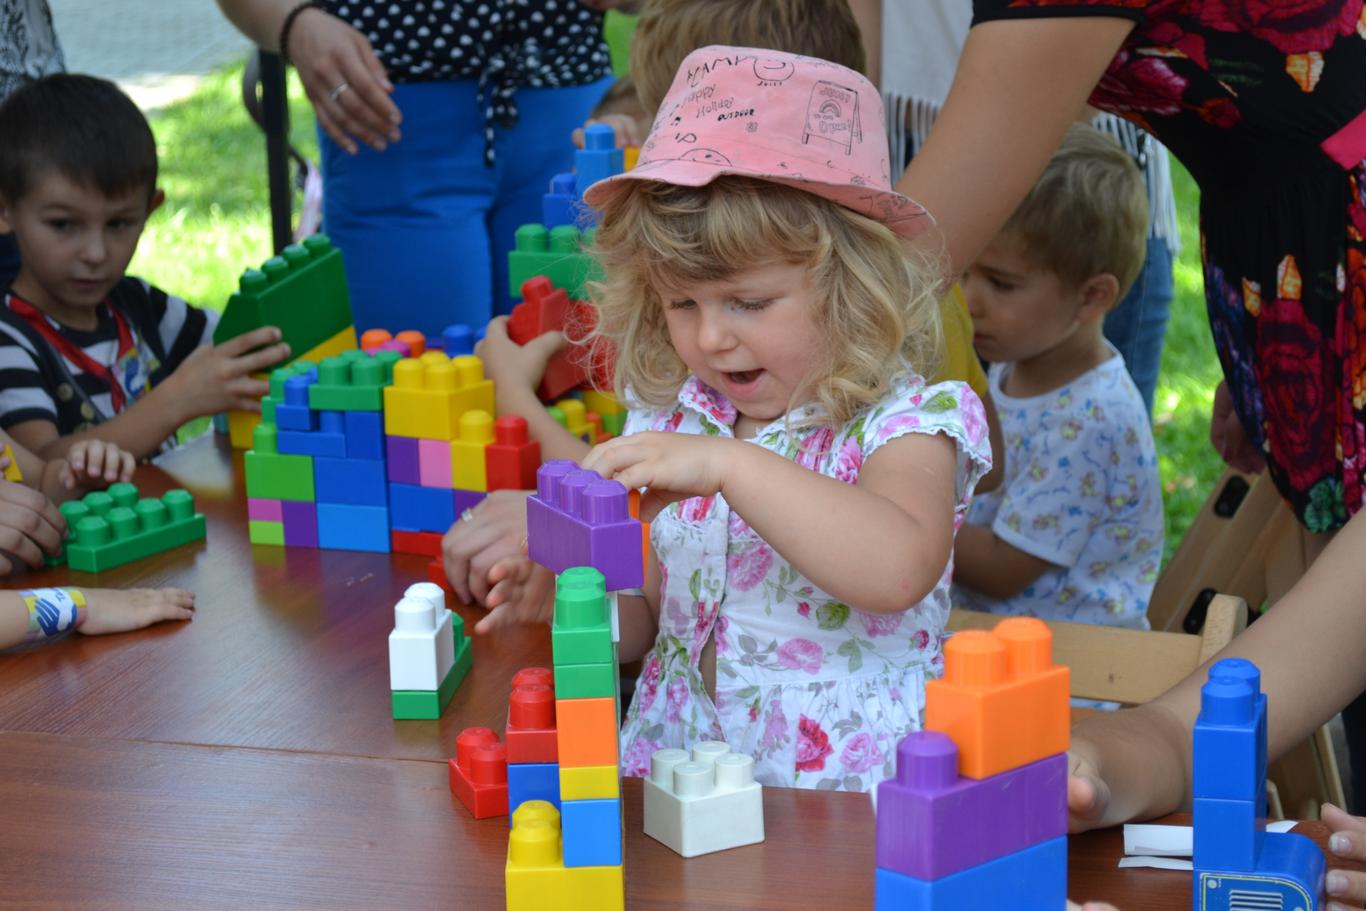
{"x":52,"y":611}
{"x":288,"y":24}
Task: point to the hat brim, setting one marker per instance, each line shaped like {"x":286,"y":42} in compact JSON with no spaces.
{"x":902,"y":215}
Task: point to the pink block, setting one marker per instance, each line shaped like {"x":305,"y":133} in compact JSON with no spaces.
{"x":264,"y":510}
{"x":434,"y":463}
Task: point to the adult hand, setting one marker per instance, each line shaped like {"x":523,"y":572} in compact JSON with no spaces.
{"x":523,"y":592}
{"x":1348,"y":841}
{"x":1090,"y":906}
{"x":494,"y":532}
{"x":1229,"y":438}
{"x":30,"y":526}
{"x":345,"y":81}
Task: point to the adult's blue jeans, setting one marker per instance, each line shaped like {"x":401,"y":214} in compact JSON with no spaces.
{"x":1138,"y":326}
{"x":424,"y":227}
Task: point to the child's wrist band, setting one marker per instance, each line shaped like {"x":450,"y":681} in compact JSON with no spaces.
{"x":53,"y":611}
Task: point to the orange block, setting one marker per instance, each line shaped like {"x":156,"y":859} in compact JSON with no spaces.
{"x":586,"y":731}
{"x":1002,"y":699}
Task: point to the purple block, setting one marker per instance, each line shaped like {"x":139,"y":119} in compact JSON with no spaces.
{"x":932,"y":823}
{"x":301,"y":523}
{"x":466,"y":499}
{"x":403,"y":461}
{"x":576,"y":518}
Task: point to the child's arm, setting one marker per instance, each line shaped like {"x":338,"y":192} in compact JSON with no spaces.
{"x":879,"y":545}
{"x":516,"y":370}
{"x":30,"y":616}
{"x":213,"y":378}
{"x":89,"y":465}
{"x":30,"y":526}
{"x":986,"y":564}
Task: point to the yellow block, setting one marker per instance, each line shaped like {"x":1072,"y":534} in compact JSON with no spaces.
{"x":576,"y":420}
{"x":467,"y":453}
{"x":344,"y":340}
{"x":604,"y":403}
{"x":536,"y":877}
{"x":420,"y":403}
{"x":241,"y":427}
{"x":629,"y":156}
{"x":592,"y":782}
{"x":474,"y":393}
{"x":12,"y":472}
{"x":242,"y":424}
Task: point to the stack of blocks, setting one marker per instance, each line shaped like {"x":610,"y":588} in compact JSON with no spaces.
{"x":1238,"y":864}
{"x":976,"y":817}
{"x":429,"y":653}
{"x":704,"y":802}
{"x":598,"y":159}
{"x":532,"y":740}
{"x":109,"y":528}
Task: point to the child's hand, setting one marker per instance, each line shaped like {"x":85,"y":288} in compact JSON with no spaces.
{"x":1088,"y":796}
{"x":1348,"y":888}
{"x":513,"y":366}
{"x":625,"y":126}
{"x":495,"y":530}
{"x":673,"y":466}
{"x":30,"y":526}
{"x":95,"y":464}
{"x":119,"y":611}
{"x":218,"y":378}
{"x":523,"y":592}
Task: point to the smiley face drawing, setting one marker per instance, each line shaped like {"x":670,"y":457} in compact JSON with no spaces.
{"x":773,"y":72}
{"x":705,"y":156}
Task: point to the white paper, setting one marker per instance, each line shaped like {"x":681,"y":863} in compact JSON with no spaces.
{"x":1147,"y":845}
{"x":1157,"y":863}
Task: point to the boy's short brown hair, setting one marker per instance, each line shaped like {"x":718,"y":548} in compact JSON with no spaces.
{"x":669,"y":30}
{"x":1087,"y":214}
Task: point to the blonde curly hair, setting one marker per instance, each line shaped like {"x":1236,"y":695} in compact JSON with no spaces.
{"x":877,"y":306}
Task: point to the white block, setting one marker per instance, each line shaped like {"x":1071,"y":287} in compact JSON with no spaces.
{"x":705,"y":802}
{"x":421,"y":646}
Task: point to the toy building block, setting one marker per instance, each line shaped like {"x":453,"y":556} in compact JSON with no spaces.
{"x":630,"y":155}
{"x":510,"y":461}
{"x":536,"y":877}
{"x":329,"y":439}
{"x":586,"y":681}
{"x":12,"y":472}
{"x":434,"y":463}
{"x":112,"y":527}
{"x":560,"y":206}
{"x":479,"y":773}
{"x":413,"y":508}
{"x":371,"y":339}
{"x":576,"y":518}
{"x":301,"y":523}
{"x":608,"y":408}
{"x":1034,"y":879}
{"x":530,"y":731}
{"x":458,"y":339}
{"x":302,"y":291}
{"x":422,"y":543}
{"x":533,"y":781}
{"x":555,"y":253}
{"x":545,"y":308}
{"x":586,"y":729}
{"x":599,"y":158}
{"x":932,"y":822}
{"x":1230,"y":736}
{"x":292,"y":413}
{"x":467,"y":453}
{"x":462,"y":500}
{"x":240,"y":427}
{"x":271,"y":475}
{"x":581,"y":631}
{"x":436,"y":574}
{"x":357,"y":482}
{"x":365,"y":435}
{"x":272,"y":533}
{"x":424,"y":703}
{"x":420,"y":402}
{"x":576,"y":420}
{"x":592,"y":832}
{"x":403,"y":461}
{"x":992,"y":680}
{"x":259,"y":510}
{"x":705,"y":802}
{"x":345,"y":527}
{"x":590,"y":782}
{"x":475,"y":392}
{"x":354,"y":381}
{"x":421,"y":646}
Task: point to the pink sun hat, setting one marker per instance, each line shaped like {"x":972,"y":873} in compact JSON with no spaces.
{"x":794,"y":120}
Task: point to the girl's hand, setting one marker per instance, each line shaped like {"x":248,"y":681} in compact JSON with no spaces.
{"x":1088,"y":796}
{"x":512,"y":366}
{"x":94,"y":464}
{"x":122,"y":610}
{"x":522,"y":592}
{"x":345,"y":81}
{"x":1347,"y":887}
{"x":673,"y":466}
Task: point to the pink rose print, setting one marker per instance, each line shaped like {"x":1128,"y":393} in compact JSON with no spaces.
{"x":1292,"y":26}
{"x":722,"y":643}
{"x":921,"y":639}
{"x":677,"y":696}
{"x":814,"y":447}
{"x":696,"y":509}
{"x":813,"y":745}
{"x":896,"y":426}
{"x":736,"y":527}
{"x":804,"y":609}
{"x":849,"y":463}
{"x":649,"y":683}
{"x":1142,"y":84}
{"x":754,"y":711}
{"x":974,"y":418}
{"x":702,"y":625}
{"x":860,"y":753}
{"x":775,"y":728}
{"x":801,"y":655}
{"x":747,"y":566}
{"x":876,"y":625}
{"x":669,"y":423}
{"x":636,"y":761}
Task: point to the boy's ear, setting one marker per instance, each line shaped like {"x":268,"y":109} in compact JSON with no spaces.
{"x":1099,"y":294}
{"x":158,"y":197}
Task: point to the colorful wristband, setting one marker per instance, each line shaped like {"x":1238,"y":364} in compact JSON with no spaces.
{"x":52,"y":611}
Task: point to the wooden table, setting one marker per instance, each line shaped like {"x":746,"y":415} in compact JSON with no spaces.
{"x":247,"y":759}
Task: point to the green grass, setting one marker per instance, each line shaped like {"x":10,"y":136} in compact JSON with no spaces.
{"x":216,"y":222}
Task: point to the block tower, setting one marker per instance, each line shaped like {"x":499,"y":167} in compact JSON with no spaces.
{"x":976,"y":817}
{"x":532,"y":740}
{"x":429,"y":653}
{"x":1238,"y":864}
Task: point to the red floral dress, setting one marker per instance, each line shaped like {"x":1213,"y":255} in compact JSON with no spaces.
{"x":1264,"y":102}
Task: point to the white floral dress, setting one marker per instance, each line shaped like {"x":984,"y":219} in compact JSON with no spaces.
{"x":818,"y":692}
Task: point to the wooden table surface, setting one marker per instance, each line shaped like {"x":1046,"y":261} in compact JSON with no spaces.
{"x":247,"y":758}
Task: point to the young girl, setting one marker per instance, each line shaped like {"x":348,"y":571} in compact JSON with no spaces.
{"x":804,"y":481}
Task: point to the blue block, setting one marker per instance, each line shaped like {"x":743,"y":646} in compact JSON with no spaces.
{"x":1289,"y":874}
{"x":364,"y":435}
{"x":354,"y":482}
{"x":1034,"y":879}
{"x":353,"y":527}
{"x":294,"y":442}
{"x":591,"y":832}
{"x":458,"y":339}
{"x":599,"y":158}
{"x":532,"y":781}
{"x":1230,"y":736}
{"x":415,"y":508}
{"x":299,"y":418}
{"x":561,"y":205}
{"x":1228,"y":834}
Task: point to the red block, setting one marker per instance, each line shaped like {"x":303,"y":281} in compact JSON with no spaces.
{"x":479,"y":773}
{"x":422,"y":543}
{"x":545,"y":308}
{"x":436,"y":572}
{"x":531,"y":717}
{"x":594,"y":364}
{"x":511,"y":460}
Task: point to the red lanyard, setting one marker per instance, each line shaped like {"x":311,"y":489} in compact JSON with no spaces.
{"x":76,"y":355}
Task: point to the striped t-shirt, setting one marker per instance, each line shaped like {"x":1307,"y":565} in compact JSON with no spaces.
{"x":38,"y":384}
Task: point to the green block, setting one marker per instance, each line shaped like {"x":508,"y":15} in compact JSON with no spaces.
{"x":586,"y":681}
{"x":557,"y":254}
{"x":273,"y":476}
{"x":352,"y":382}
{"x":302,"y":291}
{"x":113,"y":527}
{"x":266,"y":533}
{"x":614,"y":423}
{"x":581,"y":632}
{"x":429,"y":704}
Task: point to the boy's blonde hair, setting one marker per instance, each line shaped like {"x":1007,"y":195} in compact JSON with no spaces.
{"x":874,"y":306}
{"x":1087,"y":214}
{"x":669,"y":30}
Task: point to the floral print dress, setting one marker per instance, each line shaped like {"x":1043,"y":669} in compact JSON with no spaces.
{"x":816,"y":691}
{"x":1264,"y":102}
